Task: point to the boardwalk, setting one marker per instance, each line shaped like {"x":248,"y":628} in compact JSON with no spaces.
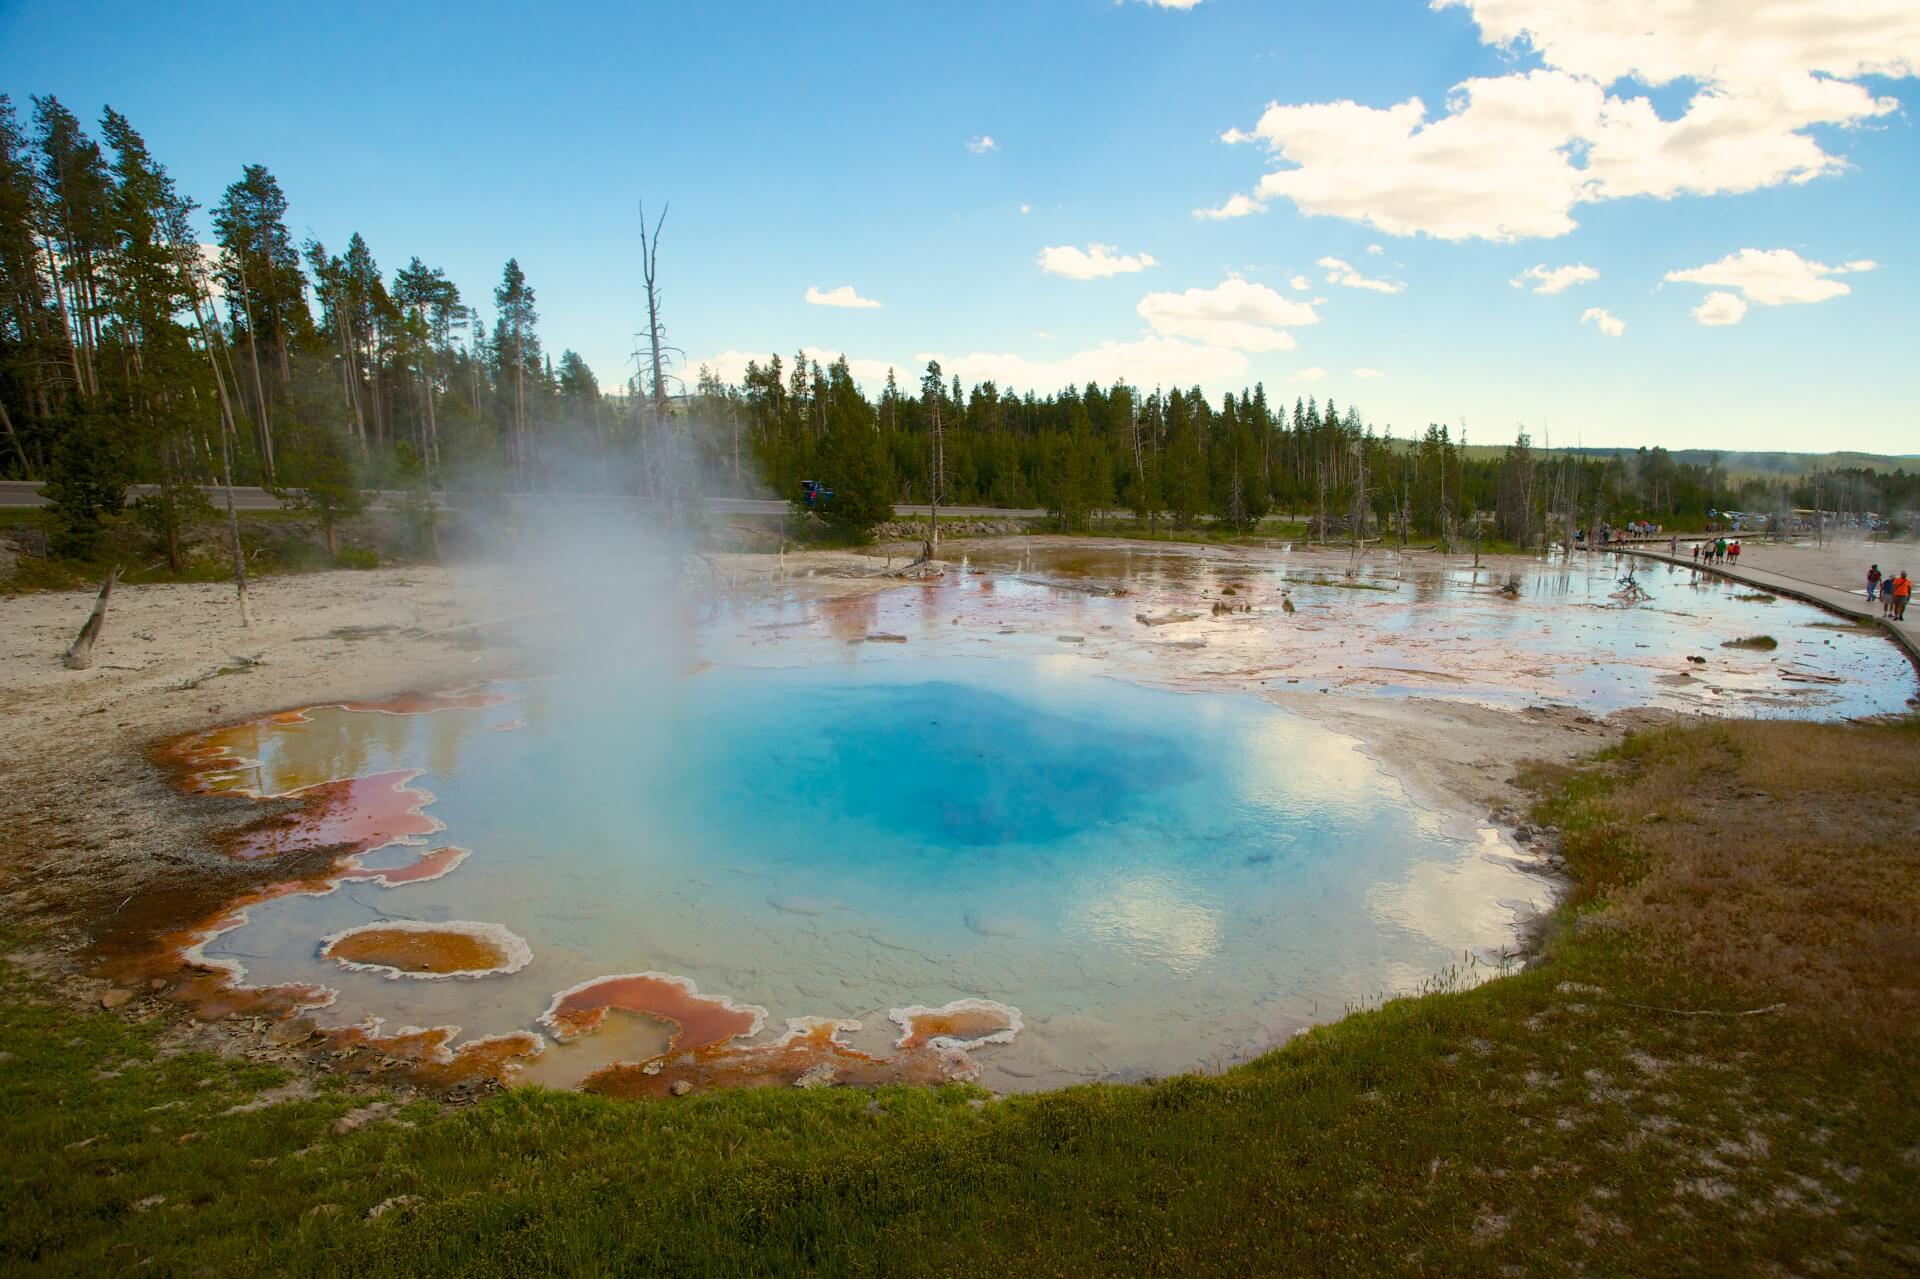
{"x":1837,"y":599}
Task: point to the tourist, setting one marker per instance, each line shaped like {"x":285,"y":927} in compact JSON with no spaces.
{"x":1733,"y":552}
{"x":1696,"y":554}
{"x":1873,"y":583}
{"x":1719,"y":550}
{"x":1902,"y":588}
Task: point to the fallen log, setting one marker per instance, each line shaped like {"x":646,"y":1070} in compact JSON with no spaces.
{"x":80,"y":653}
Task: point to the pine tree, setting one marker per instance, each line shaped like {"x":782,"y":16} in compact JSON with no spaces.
{"x":854,"y":464}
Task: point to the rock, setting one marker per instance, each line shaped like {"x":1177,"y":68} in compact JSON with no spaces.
{"x":386,"y":1206}
{"x":157,"y":984}
{"x":1523,"y":834}
{"x":296,"y":1030}
{"x":820,"y":1076}
{"x":323,"y":1210}
{"x":679,"y":1087}
{"x":360,"y":1118}
{"x":114,"y":997}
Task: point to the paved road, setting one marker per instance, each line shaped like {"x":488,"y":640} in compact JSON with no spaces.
{"x":1837,"y":599}
{"x":26,"y":493}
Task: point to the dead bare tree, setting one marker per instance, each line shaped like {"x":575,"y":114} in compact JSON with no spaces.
{"x":193,"y":268}
{"x":937,"y":463}
{"x":1359,"y":502}
{"x":665,"y":466}
{"x":6,"y":421}
{"x":79,"y":654}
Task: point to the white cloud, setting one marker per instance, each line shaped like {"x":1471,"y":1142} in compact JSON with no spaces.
{"x":1556,"y":279}
{"x":1043,"y":335}
{"x":1720,"y":309}
{"x":1234,"y":313}
{"x":1343,"y":273}
{"x":842,"y":296}
{"x":1301,"y":283}
{"x":1773,"y":277}
{"x":1237,"y":206}
{"x":1311,"y":375}
{"x":1148,"y":362}
{"x":1096,"y":262}
{"x":982,"y":144}
{"x":1512,"y":156}
{"x":1026,"y":208}
{"x":1367,"y":373}
{"x":1171,"y":4}
{"x":1604,"y":320}
{"x":1375,"y":249}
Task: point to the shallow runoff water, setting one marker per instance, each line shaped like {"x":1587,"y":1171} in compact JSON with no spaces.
{"x":1000,"y":786}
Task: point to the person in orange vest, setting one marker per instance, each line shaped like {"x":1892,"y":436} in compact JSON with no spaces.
{"x":1902,"y":588}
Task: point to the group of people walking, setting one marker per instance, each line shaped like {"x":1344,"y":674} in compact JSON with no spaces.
{"x":1893,"y":592}
{"x":1718,"y":551}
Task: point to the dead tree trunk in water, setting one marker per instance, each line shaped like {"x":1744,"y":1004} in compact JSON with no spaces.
{"x":80,"y":653}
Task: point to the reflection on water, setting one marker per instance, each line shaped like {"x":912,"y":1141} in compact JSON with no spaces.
{"x":1402,"y":625}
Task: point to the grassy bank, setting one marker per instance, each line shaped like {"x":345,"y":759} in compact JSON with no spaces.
{"x":275,"y":542}
{"x":1712,"y":1074}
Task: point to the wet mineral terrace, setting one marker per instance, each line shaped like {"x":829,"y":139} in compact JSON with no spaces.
{"x":1023,"y":822}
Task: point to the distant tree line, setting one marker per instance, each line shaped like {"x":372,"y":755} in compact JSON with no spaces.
{"x":132,"y":352}
{"x":1180,"y":458}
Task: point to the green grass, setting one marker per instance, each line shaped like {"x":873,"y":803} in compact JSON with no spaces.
{"x":1556,"y":1121}
{"x":1758,"y":643}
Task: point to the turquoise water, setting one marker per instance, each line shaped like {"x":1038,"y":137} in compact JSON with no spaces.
{"x":1158,"y":880}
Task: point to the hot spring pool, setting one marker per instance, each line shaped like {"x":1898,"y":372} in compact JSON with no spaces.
{"x":1154,"y":880}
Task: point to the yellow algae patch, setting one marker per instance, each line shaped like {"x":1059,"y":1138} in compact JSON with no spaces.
{"x":960,"y":1026}
{"x":411,"y":948}
{"x":430,"y":1061}
{"x":699,"y":1021}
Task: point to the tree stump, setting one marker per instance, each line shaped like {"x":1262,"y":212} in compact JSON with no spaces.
{"x":80,"y":653}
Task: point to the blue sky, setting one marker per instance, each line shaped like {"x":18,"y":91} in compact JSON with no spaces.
{"x":820,"y":148}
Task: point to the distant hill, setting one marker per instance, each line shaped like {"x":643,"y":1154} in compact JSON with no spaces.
{"x":1739,"y":463}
